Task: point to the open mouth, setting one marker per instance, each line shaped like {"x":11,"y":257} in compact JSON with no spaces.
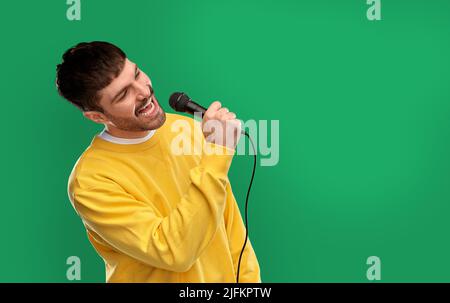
{"x":148,"y":108}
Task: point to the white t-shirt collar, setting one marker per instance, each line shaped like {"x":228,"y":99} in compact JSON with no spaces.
{"x":106,"y":136}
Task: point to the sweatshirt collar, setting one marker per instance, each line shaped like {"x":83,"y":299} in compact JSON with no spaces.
{"x":110,"y":138}
{"x":107,"y":142}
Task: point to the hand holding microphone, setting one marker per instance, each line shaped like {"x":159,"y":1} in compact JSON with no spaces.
{"x":221,"y":135}
{"x":219,"y":125}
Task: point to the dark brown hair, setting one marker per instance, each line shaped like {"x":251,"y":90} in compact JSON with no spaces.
{"x":86,"y":69}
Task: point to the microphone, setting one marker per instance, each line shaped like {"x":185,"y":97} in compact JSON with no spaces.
{"x":181,"y":102}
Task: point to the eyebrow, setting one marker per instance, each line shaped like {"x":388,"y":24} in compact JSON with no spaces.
{"x":126,"y":87}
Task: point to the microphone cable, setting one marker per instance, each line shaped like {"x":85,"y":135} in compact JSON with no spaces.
{"x":246,"y":204}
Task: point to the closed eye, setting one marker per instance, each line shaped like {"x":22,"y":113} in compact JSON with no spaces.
{"x":137,"y":74}
{"x":123,"y":95}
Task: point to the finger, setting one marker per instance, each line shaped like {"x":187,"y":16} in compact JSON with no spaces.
{"x":221,"y":113}
{"x":232,"y":124}
{"x":230,"y":116}
{"x":213,"y":108}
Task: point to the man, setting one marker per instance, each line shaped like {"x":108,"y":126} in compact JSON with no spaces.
{"x":151,"y":214}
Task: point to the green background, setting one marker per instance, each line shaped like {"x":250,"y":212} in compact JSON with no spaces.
{"x":364,"y":128}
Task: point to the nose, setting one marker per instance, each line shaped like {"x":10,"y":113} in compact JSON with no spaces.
{"x":143,"y":91}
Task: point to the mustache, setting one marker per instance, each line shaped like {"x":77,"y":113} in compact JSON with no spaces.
{"x":151,"y":95}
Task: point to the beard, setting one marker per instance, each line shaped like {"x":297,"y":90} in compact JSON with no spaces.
{"x":135,"y":124}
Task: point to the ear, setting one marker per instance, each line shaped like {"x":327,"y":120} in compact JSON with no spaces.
{"x":95,"y":116}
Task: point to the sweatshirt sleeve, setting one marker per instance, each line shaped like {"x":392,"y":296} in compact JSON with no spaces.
{"x":249,"y":269}
{"x":134,"y":228}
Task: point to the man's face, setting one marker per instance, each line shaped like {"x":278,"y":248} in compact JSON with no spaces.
{"x":129,"y":103}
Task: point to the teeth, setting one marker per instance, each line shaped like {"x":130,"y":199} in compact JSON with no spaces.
{"x":145,"y":106}
{"x":140,"y":112}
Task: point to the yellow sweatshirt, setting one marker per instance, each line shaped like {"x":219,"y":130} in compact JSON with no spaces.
{"x":154,"y":216}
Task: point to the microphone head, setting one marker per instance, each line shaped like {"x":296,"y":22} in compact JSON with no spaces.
{"x":178,"y":101}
